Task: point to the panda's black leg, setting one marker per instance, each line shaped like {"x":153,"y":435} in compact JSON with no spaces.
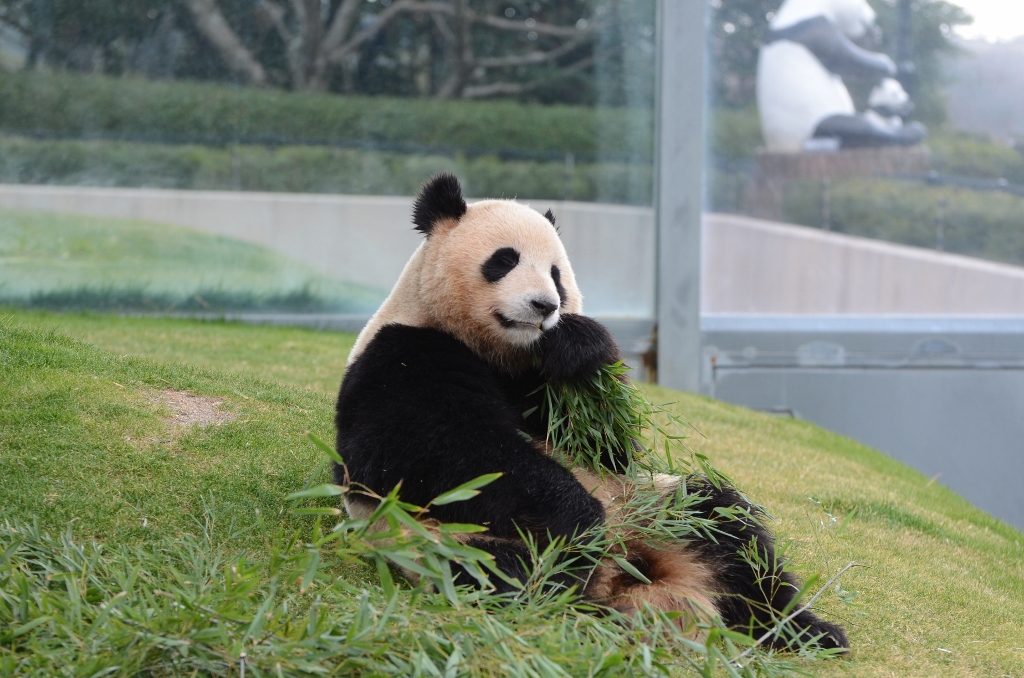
{"x":755,"y":590}
{"x":778,"y":588}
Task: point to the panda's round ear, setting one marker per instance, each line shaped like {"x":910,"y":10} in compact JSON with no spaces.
{"x":549,"y":215}
{"x":441,"y":198}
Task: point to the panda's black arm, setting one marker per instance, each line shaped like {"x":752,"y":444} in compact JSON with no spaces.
{"x":420,"y":409}
{"x":835,"y":51}
{"x":573,"y":350}
{"x":576,"y":347}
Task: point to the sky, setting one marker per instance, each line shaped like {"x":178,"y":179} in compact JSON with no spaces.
{"x":994,"y":20}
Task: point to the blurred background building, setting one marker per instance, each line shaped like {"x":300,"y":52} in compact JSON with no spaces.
{"x":256,"y":159}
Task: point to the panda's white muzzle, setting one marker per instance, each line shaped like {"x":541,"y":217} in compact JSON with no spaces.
{"x":530,"y":317}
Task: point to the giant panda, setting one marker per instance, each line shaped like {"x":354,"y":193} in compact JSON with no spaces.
{"x":438,"y":391}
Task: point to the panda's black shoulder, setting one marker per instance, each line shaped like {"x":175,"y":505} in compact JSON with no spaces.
{"x":402,"y":348}
{"x":406,"y":367}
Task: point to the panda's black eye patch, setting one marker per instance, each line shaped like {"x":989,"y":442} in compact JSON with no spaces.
{"x":500,"y":263}
{"x":556,"y":275}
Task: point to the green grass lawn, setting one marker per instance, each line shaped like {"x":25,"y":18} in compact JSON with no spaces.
{"x":293,"y":356}
{"x":63,"y":261}
{"x":84,"y":440}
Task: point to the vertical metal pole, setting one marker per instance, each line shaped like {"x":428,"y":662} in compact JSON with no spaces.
{"x":679,"y":190}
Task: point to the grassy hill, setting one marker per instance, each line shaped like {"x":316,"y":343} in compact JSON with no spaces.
{"x":67,"y":261}
{"x":89,"y":437}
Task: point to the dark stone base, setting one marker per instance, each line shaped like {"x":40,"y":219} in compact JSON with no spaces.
{"x":773,"y":171}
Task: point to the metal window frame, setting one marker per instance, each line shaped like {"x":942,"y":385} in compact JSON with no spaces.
{"x":679,"y":194}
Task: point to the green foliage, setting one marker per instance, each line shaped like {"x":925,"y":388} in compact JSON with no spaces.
{"x":356,"y":145}
{"x":735,"y":133}
{"x":83,"y":105}
{"x":408,"y":56}
{"x":738,"y":29}
{"x":932,"y":29}
{"x":63,"y":27}
{"x":309,"y":169}
{"x":195,"y":604}
{"x":608,"y":412}
{"x":989,"y":225}
{"x":963,"y":154}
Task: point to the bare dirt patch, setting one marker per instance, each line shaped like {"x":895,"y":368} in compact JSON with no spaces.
{"x":190,"y":410}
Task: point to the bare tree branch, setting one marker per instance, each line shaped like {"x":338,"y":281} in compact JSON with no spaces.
{"x":339,"y":27}
{"x":292,"y":41}
{"x":214,"y":27}
{"x":443,"y":26}
{"x":499,"y":88}
{"x":500,"y":23}
{"x":525,"y":26}
{"x":461,"y":53}
{"x":341,"y":24}
{"x":534,"y":57}
{"x":311,"y":25}
{"x":383,"y":19}
{"x":315,"y":45}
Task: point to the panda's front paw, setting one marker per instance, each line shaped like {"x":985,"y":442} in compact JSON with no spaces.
{"x":576,"y":348}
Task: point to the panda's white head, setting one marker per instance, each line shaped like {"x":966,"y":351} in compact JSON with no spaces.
{"x":890,"y":97}
{"x":854,"y":18}
{"x":493,"y":274}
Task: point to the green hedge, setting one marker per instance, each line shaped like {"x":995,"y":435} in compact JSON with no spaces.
{"x":975,"y":223}
{"x":77,"y":104}
{"x":973,"y":156}
{"x":309,"y":169}
{"x":735,"y":134}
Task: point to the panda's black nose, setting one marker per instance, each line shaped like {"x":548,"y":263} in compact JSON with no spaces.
{"x":543,"y":306}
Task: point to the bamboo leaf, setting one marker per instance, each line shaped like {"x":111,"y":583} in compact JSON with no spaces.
{"x":311,"y":569}
{"x":317,"y":492}
{"x":331,"y":453}
{"x":466,"y":490}
{"x":461,"y":528}
{"x":625,"y":565}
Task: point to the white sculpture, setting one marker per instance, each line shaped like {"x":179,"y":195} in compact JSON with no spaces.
{"x":800,"y":90}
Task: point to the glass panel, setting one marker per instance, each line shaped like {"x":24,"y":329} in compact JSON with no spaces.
{"x":893,"y":120}
{"x":864,"y":241}
{"x":115,"y":116}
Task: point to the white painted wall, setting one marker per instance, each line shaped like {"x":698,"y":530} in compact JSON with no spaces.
{"x":750,"y":265}
{"x":755,"y":266}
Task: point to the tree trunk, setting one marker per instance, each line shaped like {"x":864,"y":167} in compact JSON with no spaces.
{"x":214,"y":27}
{"x":331,"y":39}
{"x":461,"y":54}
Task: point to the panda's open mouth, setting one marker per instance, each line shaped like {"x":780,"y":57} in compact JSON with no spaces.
{"x":508,"y":323}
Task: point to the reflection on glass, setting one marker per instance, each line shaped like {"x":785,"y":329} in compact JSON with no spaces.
{"x":542,"y":100}
{"x":819,"y":112}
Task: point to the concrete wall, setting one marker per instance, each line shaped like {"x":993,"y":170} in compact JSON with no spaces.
{"x":754,"y":266}
{"x":750,"y":266}
{"x":368,"y":239}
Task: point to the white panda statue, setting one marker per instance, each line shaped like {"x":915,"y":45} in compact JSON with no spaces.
{"x":800,"y":90}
